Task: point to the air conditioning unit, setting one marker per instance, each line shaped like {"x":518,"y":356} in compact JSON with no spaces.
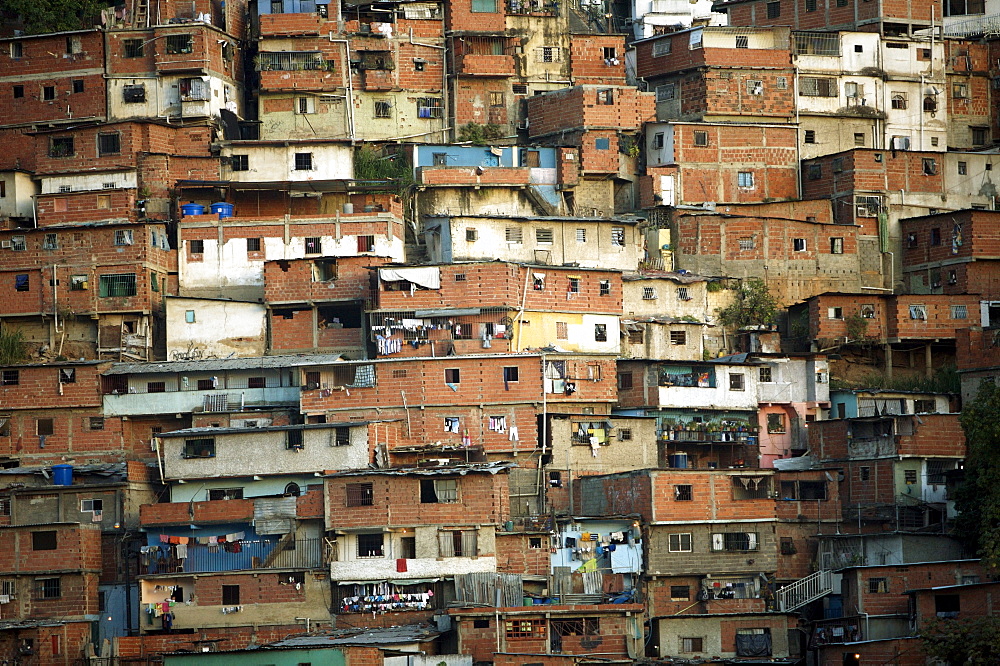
{"x":6,"y":245}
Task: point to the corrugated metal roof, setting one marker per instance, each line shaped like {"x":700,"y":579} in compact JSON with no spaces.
{"x":239,"y":363}
{"x":208,"y":430}
{"x":408,"y":633}
{"x":448,"y":470}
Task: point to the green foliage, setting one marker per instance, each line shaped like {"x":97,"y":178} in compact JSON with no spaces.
{"x":43,"y":16}
{"x":12,"y":348}
{"x":371,"y":164}
{"x":715,"y":286}
{"x":944,"y":380}
{"x":971,"y":641}
{"x":978,"y":497}
{"x":753,"y":306}
{"x":857,"y":326}
{"x":479,"y":135}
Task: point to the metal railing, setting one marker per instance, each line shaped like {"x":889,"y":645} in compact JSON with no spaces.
{"x":975,"y":27}
{"x":807,"y":589}
{"x":289,"y":61}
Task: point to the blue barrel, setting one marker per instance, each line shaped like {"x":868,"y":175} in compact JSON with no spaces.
{"x":679,"y":460}
{"x":192,"y":209}
{"x":62,"y":475}
{"x":223,"y":209}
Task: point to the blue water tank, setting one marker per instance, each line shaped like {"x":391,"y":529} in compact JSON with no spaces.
{"x":679,"y":460}
{"x":223,"y":209}
{"x":192,"y":209}
{"x":62,"y":475}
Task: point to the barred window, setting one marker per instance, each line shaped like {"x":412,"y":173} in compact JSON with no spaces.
{"x":117,"y":285}
{"x":815,"y":86}
{"x":514,"y":235}
{"x":618,"y":236}
{"x":177,"y":44}
{"x":661,"y":48}
{"x":666,"y":92}
{"x":734,"y":541}
{"x":543,"y":236}
{"x":360,"y":494}
{"x":383,"y":108}
{"x":527,"y":628}
{"x":430,"y":107}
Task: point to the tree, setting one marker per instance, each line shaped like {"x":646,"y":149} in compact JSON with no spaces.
{"x":42,"y":16}
{"x":753,"y":306}
{"x":11,"y":346}
{"x":969,"y":642}
{"x":978,"y":497}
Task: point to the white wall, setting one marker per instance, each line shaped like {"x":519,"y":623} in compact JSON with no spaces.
{"x":90,"y":181}
{"x":220,"y":328}
{"x":277,"y":162}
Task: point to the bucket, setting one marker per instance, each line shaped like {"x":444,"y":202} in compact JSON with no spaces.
{"x":223,"y":209}
{"x":192,"y":209}
{"x":348,"y":209}
{"x":679,"y":460}
{"x":62,"y":475}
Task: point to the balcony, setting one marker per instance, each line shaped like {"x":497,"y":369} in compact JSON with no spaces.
{"x":383,"y":568}
{"x":290,"y":25}
{"x":184,"y":513}
{"x":252,"y":555}
{"x":485,"y":65}
{"x":130,"y":404}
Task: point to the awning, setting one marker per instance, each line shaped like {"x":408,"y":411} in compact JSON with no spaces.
{"x":447,"y":312}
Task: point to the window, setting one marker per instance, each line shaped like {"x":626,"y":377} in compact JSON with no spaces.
{"x":859,"y":139}
{"x":48,"y":588}
{"x":383,"y":108}
{"x":510,"y":373}
{"x":370,"y":545}
{"x":303,"y":161}
{"x":366,"y":243}
{"x":548,"y":54}
{"x":600,"y":332}
{"x":963,"y":168}
{"x":694,"y":644}
{"x":360,"y":494}
{"x":679,"y":543}
{"x":624,"y":434}
{"x":156,"y":387}
{"x":604,"y":287}
{"x":661,"y":48}
{"x":753,"y":642}
{"x":305,"y":105}
{"x":799,"y":244}
{"x":529,"y":628}
{"x":10,"y":378}
{"x":635,"y":338}
{"x":781,"y":83}
{"x":618,"y":236}
{"x":918,"y":312}
{"x":293,"y":439}
{"x":745,"y":179}
{"x":602,"y":144}
{"x":930,"y":166}
{"x":581,"y":235}
{"x":484,"y":6}
{"x":61,"y":146}
{"x":48,"y":93}
{"x":438,"y":491}
{"x":109,"y":144}
{"x":452,"y":376}
{"x":878,"y":585}
{"x":658,"y":140}
{"x":930,"y":104}
{"x":430,"y":107}
{"x":230,"y":595}
{"x":837,"y":245}
{"x":574,"y":285}
{"x":678,"y":337}
{"x":809,"y":136}
{"x":680,"y":593}
{"x":196,"y":448}
{"x":543,"y":236}
{"x":67,"y":376}
{"x":978,"y":136}
{"x":132,"y":48}
{"x":910,"y":476}
{"x":960,"y":91}
{"x":21,"y":282}
{"x":666,"y":92}
{"x":700,"y":138}
{"x":514,"y":235}
{"x":239,"y":162}
{"x":959,"y":311}
{"x":746,"y":487}
{"x":814,"y":86}
{"x":746,"y":243}
{"x":18,"y":91}
{"x":16,"y":50}
{"x":682,"y":493}
{"x":734,"y":541}
{"x":755,"y":87}
{"x":44,"y":540}
{"x":458,"y":543}
{"x":217,"y":494}
{"x":134,"y":94}
{"x":520,"y":88}
{"x":773,"y":12}
{"x":947,"y":605}
{"x":177,"y":44}
{"x":776,"y":423}
{"x":77,"y":86}
{"x":313,"y":245}
{"x":898,"y":100}
{"x":682,"y":294}
{"x":624,"y":380}
{"x":736,"y":381}
{"x":649,"y":293}
{"x":253,"y":245}
{"x":123,"y":237}
{"x":471,"y":234}
{"x":44,"y":427}
{"x":764,"y":374}
{"x":742,"y":42}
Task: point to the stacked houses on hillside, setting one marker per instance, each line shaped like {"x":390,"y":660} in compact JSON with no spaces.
{"x":403,"y":332}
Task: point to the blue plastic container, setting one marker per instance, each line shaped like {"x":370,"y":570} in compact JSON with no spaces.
{"x":192,"y":209}
{"x":62,"y":475}
{"x":223,"y":209}
{"x":679,"y":461}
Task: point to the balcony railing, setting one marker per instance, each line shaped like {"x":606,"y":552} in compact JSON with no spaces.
{"x":237,"y":556}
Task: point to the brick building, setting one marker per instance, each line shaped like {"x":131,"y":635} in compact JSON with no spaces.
{"x":889,"y":17}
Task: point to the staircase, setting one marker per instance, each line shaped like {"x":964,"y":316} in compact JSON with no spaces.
{"x":805,"y":590}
